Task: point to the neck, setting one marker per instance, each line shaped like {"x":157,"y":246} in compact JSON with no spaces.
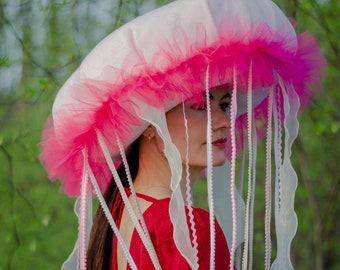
{"x":154,"y":174}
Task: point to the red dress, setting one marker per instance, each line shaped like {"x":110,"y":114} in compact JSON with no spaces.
{"x":160,"y":228}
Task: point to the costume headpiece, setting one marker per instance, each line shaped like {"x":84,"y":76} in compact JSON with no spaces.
{"x":156,"y":61}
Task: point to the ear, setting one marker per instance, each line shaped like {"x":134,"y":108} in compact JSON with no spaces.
{"x":150,"y":132}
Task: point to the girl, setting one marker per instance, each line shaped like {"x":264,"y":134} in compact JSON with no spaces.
{"x":175,"y":92}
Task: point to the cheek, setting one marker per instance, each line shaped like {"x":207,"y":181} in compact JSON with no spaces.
{"x":197,"y":131}
{"x":176,"y":127}
{"x":175,"y":121}
{"x":196,"y":124}
{"x":179,"y":139}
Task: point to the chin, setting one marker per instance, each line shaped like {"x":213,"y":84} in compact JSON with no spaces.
{"x":219,"y":156}
{"x":219,"y":161}
{"x":218,"y":164}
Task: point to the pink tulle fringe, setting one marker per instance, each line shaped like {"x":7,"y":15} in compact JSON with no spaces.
{"x":177,"y":71}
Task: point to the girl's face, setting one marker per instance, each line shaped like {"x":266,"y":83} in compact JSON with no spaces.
{"x":196,"y":116}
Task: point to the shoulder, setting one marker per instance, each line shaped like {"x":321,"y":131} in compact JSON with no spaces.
{"x":158,"y":221}
{"x":160,"y":228}
{"x":157,"y":215}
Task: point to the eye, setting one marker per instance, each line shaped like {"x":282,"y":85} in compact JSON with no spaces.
{"x":224,"y":106}
{"x":200,"y":106}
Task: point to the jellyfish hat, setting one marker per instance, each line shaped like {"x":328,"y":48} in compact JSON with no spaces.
{"x":160,"y":59}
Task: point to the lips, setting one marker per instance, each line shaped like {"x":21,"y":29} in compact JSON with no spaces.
{"x":220,"y":143}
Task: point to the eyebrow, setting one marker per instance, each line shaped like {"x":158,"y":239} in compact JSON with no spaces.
{"x":227,"y":95}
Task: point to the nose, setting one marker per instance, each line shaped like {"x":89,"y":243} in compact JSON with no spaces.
{"x":219,"y":119}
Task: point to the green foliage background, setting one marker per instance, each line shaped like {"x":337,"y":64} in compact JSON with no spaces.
{"x":42,"y":42}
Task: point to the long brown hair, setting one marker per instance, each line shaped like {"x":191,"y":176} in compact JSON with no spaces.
{"x":100,"y":246}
